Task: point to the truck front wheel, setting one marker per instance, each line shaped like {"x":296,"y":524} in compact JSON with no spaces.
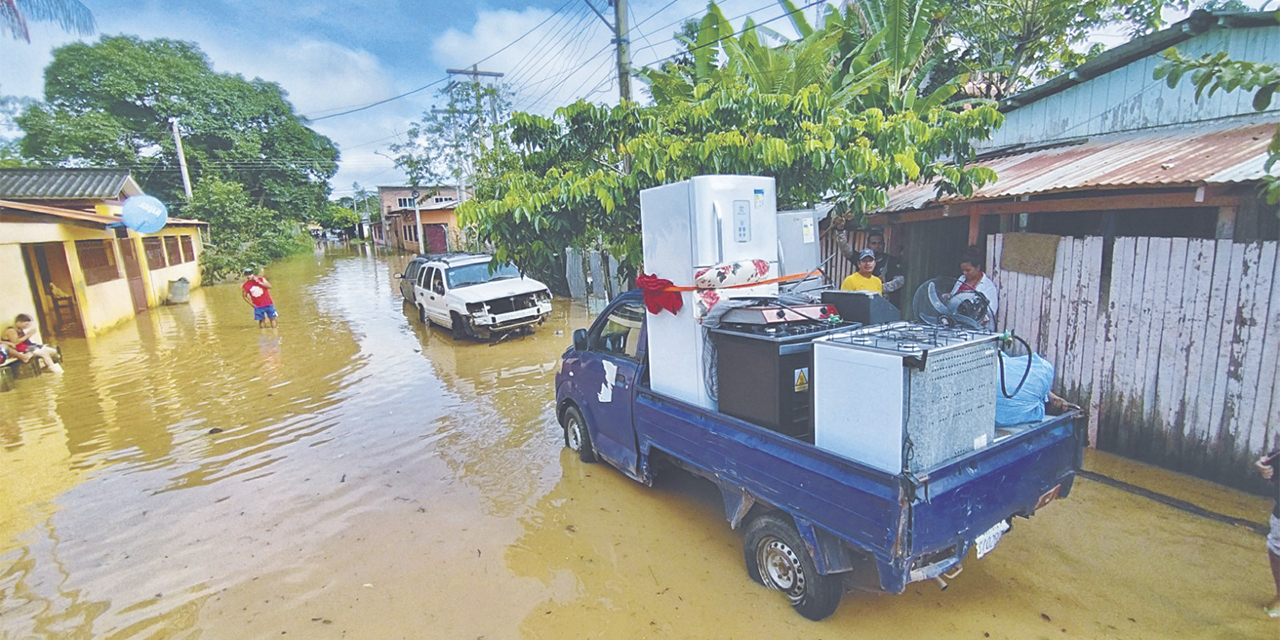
{"x":576,"y":435}
{"x":777,"y":558}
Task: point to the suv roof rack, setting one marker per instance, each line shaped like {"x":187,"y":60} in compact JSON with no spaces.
{"x":453,"y":256}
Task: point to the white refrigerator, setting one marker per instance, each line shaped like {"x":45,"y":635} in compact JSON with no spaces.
{"x":687,"y":226}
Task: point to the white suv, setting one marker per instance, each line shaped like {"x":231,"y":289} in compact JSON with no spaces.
{"x":460,"y":291}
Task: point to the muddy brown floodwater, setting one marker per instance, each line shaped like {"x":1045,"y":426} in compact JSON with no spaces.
{"x":373,"y":478}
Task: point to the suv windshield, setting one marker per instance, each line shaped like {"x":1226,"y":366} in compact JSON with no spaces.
{"x":477,"y":273}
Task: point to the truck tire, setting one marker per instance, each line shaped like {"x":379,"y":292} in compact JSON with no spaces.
{"x":458,"y":326}
{"x":576,"y":435}
{"x":777,"y":558}
{"x":422,"y":316}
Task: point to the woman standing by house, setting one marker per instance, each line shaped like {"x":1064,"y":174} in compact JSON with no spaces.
{"x":20,"y":336}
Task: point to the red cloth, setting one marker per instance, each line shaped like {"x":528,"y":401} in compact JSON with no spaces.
{"x":655,"y":298}
{"x":260,"y":295}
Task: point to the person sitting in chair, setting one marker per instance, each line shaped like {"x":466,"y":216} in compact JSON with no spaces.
{"x":21,"y":338}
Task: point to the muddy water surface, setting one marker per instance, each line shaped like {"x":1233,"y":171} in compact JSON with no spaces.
{"x":354,"y":474}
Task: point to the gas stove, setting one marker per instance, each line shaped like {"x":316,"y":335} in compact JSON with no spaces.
{"x":786,"y":331}
{"x":904,"y":338}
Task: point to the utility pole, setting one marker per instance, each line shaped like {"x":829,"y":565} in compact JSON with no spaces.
{"x":462,"y":169}
{"x":475,"y":74}
{"x":621,"y":39}
{"x":182,"y":158}
{"x":417,"y":216}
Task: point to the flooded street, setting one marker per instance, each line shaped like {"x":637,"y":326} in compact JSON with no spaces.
{"x":354,"y":474}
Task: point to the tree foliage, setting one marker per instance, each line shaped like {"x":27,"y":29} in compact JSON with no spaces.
{"x":1215,"y":72}
{"x":1013,"y":44}
{"x":441,"y":148}
{"x":242,"y":233}
{"x":71,"y":15}
{"x":563,"y":183}
{"x":110,"y":103}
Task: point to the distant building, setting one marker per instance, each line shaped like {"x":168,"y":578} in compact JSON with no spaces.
{"x":67,"y":259}
{"x":399,"y":227}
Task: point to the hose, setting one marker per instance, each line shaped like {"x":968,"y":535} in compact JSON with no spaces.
{"x":1010,"y":336}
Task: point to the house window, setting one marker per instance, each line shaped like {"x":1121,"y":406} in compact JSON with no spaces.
{"x":97,"y":261}
{"x":188,"y":249}
{"x":171,"y":247}
{"x":404,"y":203}
{"x":444,"y":199}
{"x":154,"y":248}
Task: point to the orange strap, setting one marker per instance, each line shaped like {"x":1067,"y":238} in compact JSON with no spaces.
{"x":794,"y":276}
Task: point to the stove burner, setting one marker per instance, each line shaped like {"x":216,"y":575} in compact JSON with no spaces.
{"x":910,"y":346}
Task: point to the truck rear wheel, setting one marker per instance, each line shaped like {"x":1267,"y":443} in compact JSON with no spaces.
{"x":576,"y":435}
{"x":777,"y":558}
{"x":422,"y":316}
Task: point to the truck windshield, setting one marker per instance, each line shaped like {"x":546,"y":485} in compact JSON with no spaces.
{"x":470,"y":274}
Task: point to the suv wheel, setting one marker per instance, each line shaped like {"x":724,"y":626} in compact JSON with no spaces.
{"x":459,"y":326}
{"x":422,"y":316}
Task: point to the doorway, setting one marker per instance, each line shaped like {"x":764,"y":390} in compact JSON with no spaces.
{"x":52,"y":288}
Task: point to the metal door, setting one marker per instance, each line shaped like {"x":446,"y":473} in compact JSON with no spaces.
{"x":133,"y":272}
{"x":435,"y":298}
{"x":611,"y":372}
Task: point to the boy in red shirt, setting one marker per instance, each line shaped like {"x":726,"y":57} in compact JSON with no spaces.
{"x":257,"y":292}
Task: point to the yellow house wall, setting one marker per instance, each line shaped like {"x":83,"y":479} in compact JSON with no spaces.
{"x":102,"y":305}
{"x":15,"y":289}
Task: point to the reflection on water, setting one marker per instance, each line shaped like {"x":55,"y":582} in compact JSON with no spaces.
{"x":353,"y":473}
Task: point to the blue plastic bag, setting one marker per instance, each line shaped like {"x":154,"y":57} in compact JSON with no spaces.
{"x":1027,"y":405}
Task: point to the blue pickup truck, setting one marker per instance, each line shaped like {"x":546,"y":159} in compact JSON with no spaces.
{"x":815,"y":523}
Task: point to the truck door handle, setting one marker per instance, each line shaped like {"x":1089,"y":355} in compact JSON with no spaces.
{"x":620,"y":381}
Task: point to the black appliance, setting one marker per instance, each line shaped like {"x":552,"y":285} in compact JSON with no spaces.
{"x":764,"y":372}
{"x":863,"y":307}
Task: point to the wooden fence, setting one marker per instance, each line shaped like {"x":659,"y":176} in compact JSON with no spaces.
{"x":1172,"y":344}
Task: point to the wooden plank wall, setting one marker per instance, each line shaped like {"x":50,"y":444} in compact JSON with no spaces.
{"x":1174,"y":349}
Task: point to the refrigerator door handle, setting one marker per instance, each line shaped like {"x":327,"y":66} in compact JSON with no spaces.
{"x":715,"y":209}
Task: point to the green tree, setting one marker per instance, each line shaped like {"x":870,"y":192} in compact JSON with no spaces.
{"x":441,"y":147}
{"x":241,"y":233}
{"x":110,"y":104}
{"x":1013,"y":44}
{"x":337,"y":217}
{"x":563,"y":185}
{"x":1217,"y":72}
{"x":70,"y":15}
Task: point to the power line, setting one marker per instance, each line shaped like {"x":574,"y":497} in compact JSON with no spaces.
{"x":524,"y":35}
{"x":380,"y":102}
{"x":535,"y":58}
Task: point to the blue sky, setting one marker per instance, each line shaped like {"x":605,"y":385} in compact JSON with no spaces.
{"x":331,"y":57}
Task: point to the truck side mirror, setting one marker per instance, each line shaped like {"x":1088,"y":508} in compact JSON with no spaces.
{"x":580,"y":340}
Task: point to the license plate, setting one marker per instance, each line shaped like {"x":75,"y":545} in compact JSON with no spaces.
{"x":987,"y":541}
{"x":1048,"y":497}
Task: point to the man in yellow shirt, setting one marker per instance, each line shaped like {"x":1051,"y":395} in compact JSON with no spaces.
{"x":863,"y":280}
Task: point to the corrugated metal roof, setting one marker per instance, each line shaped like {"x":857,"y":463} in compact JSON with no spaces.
{"x":66,"y":184}
{"x":83,"y":216}
{"x":1200,"y":154}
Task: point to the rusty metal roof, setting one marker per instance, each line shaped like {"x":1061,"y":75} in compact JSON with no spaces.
{"x":66,"y":184}
{"x":73,"y":215}
{"x":1190,"y":155}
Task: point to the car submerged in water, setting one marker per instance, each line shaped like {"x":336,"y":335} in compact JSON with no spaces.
{"x":472,"y":295}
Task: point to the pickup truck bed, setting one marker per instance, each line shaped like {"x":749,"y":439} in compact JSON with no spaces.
{"x":811,"y":517}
